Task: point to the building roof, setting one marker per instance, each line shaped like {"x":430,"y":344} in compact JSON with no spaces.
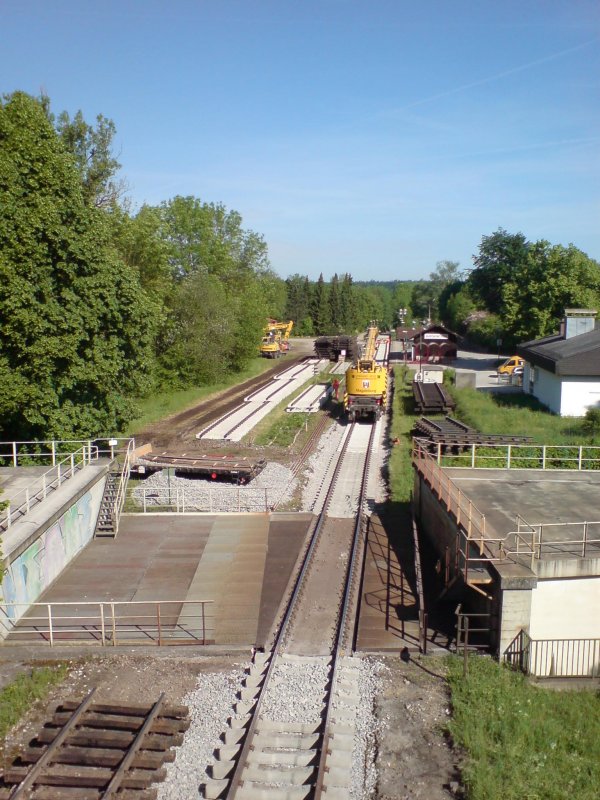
{"x":577,"y":356}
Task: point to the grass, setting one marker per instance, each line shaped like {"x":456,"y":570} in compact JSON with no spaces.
{"x":523,"y":742}
{"x":165,"y":404}
{"x":20,"y":695}
{"x":517,"y":415}
{"x":403,"y":421}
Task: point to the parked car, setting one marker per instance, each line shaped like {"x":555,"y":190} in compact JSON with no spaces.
{"x":509,"y":366}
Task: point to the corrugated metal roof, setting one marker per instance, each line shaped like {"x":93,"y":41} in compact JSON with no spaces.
{"x":578,"y":356}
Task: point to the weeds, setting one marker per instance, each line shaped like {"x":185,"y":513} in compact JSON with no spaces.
{"x":20,"y":695}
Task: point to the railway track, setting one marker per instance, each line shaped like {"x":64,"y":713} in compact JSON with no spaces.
{"x":89,"y":751}
{"x":271,"y":751}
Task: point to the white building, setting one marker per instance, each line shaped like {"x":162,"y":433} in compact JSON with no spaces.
{"x":563,"y":370}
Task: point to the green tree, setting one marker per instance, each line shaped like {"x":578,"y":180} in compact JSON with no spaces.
{"x":335,"y":309}
{"x":76,"y":329}
{"x":320,"y":308}
{"x":501,"y":258}
{"x":92,"y":150}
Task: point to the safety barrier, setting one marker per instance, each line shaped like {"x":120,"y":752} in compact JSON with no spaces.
{"x":560,"y":658}
{"x":518,"y":456}
{"x":224,"y":499}
{"x":164,"y":622}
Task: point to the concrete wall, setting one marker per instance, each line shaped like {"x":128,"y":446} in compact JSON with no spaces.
{"x":31,"y":572}
{"x":569,"y":397}
{"x":546,"y":388}
{"x":579,"y":394}
{"x":566,"y":609}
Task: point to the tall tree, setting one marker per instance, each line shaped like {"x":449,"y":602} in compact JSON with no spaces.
{"x":500,"y":258}
{"x":92,"y":150}
{"x":335,"y":309}
{"x":76,"y":328}
{"x":320,"y":308}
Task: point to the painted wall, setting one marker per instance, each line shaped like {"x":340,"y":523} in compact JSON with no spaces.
{"x":578,"y":395}
{"x":566,"y":609}
{"x":546,"y":388}
{"x":35,"y":569}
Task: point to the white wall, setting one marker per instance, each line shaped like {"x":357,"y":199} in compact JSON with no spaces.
{"x":579,"y":394}
{"x":566,"y":609}
{"x":546,"y":388}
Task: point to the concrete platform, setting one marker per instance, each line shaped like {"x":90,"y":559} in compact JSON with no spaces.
{"x":539,"y":497}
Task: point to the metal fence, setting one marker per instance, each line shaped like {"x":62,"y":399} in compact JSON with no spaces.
{"x":64,"y":459}
{"x":221,"y":499}
{"x":518,"y":456}
{"x":109,"y":623}
{"x":549,"y":658}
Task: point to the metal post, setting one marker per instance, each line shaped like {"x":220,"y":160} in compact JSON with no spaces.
{"x":579,"y":464}
{"x":114,"y":625}
{"x":472,"y":456}
{"x":158,"y":621}
{"x":27,"y":498}
{"x":465,"y":646}
{"x":14,"y":449}
{"x":53,"y":453}
{"x":102,"y":624}
{"x":50,"y":631}
{"x":203,"y":625}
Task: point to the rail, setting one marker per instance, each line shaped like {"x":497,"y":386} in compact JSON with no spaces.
{"x":104,"y":623}
{"x":420,"y":592}
{"x":554,"y":658}
{"x":464,"y":510}
{"x":519,"y":456}
{"x":119,"y":501}
{"x":23,"y":501}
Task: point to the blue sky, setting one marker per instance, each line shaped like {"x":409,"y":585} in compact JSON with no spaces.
{"x":374,"y":137}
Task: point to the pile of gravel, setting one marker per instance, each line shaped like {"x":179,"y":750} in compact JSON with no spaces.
{"x":210,"y":704}
{"x":273,"y":486}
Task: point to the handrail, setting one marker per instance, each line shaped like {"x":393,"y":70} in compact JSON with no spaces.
{"x":521,"y":456}
{"x":121,"y":489}
{"x":49,"y":481}
{"x":106,"y":622}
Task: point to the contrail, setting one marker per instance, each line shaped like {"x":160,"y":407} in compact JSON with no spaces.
{"x":500,"y":75}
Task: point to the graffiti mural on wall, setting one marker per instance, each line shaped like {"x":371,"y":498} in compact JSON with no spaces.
{"x":35,"y":569}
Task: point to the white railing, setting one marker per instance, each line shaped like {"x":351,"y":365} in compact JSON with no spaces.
{"x":64,"y":464}
{"x":122,"y":487}
{"x":519,"y":456}
{"x":23,"y":501}
{"x":222,"y":499}
{"x":110,"y":622}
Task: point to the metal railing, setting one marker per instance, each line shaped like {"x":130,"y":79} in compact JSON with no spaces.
{"x":122,"y":486}
{"x":23,"y":501}
{"x":420,"y":592}
{"x":64,"y":462}
{"x":103,"y":623}
{"x":518,"y":456}
{"x":549,"y":658}
{"x":469,"y":624}
{"x":224,"y":499}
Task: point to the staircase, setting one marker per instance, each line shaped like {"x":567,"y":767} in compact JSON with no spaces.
{"x":106,"y":524}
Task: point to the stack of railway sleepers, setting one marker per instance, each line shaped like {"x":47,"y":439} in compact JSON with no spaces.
{"x":450,"y":431}
{"x":332,"y":347}
{"x":432,"y":398}
{"x":94,"y":750}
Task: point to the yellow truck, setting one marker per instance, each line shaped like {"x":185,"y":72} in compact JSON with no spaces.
{"x":510,"y":365}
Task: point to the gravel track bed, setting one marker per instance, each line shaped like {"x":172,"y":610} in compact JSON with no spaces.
{"x":205,"y":495}
{"x":295,"y":691}
{"x":210,"y":704}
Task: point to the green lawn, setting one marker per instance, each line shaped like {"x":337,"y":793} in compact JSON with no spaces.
{"x":165,"y":403}
{"x":523,"y":742}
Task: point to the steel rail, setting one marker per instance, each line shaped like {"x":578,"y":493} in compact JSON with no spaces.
{"x":236,"y":780}
{"x":340,"y":641}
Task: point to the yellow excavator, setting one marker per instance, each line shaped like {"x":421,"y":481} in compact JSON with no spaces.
{"x":275,"y":342}
{"x":366,"y":383}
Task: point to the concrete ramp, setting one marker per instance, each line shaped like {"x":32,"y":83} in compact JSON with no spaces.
{"x":230,"y":574}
